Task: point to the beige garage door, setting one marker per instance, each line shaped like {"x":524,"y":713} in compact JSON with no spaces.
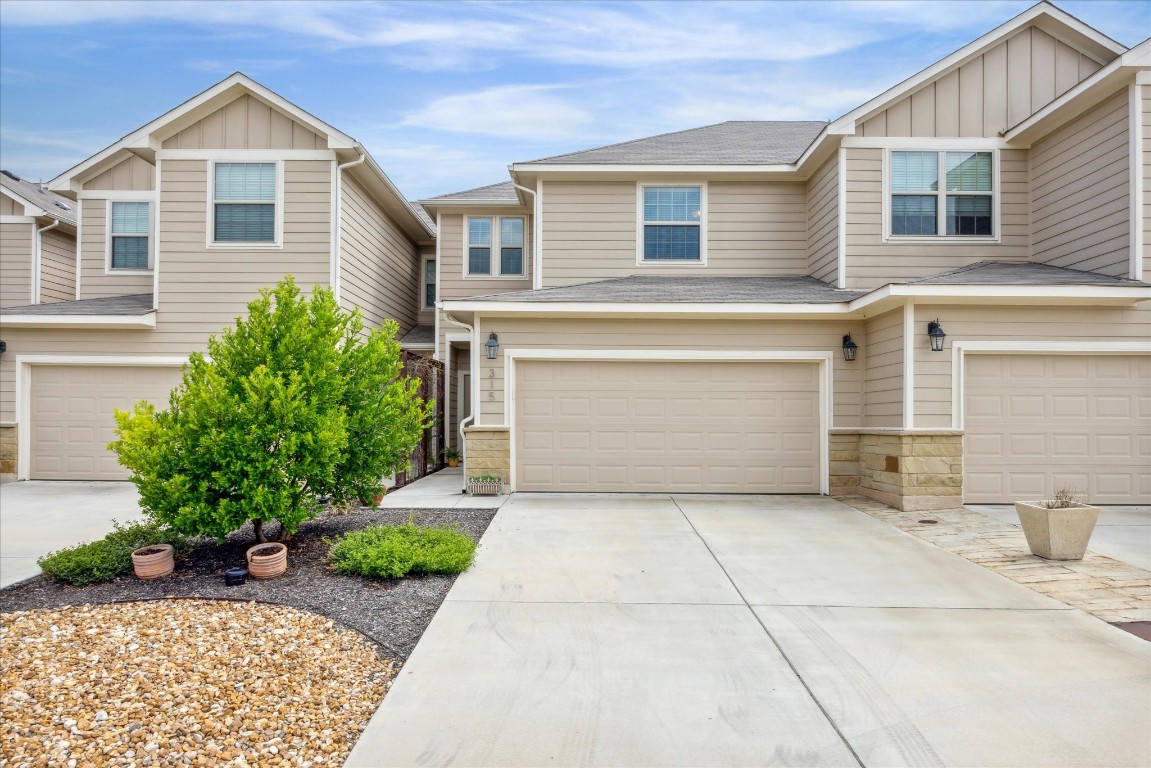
{"x":72,"y":421}
{"x":1035,"y":423}
{"x":707,"y":427}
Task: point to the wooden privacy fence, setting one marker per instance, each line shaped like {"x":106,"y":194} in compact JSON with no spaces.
{"x":428,"y":456}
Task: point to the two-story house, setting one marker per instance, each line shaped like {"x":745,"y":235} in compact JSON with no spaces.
{"x":943,"y":294}
{"x":179,"y":224}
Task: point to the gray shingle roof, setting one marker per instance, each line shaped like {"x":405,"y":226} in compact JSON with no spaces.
{"x":423,"y":215}
{"x":737,"y":142}
{"x":1024,"y":273}
{"x":658,"y":289}
{"x":136,"y":304}
{"x":504,"y":191}
{"x":421,"y":335}
{"x":57,"y":207}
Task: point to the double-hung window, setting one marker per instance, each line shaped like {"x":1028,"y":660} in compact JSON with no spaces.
{"x":672,"y":224}
{"x":495,"y":246}
{"x":130,"y":227}
{"x":962,"y":206}
{"x":244,"y":203}
{"x":429,"y":283}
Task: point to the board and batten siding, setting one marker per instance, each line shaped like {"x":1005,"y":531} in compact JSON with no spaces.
{"x":16,"y":242}
{"x":872,"y":262}
{"x":203,"y":289}
{"x":753,"y":228}
{"x":379,"y":265}
{"x":9,"y":207}
{"x":1080,"y":192}
{"x":246,"y":123}
{"x":933,"y":370}
{"x":57,"y":266}
{"x":97,"y":281}
{"x":823,"y":222}
{"x":132,"y":173}
{"x":990,"y":93}
{"x":605,"y":334}
{"x":882,"y":354}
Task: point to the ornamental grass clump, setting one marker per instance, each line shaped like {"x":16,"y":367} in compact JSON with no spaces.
{"x":394,"y":551}
{"x":109,"y":557}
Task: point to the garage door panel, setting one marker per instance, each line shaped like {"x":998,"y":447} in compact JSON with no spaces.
{"x":1083,"y":422}
{"x":683,"y":427}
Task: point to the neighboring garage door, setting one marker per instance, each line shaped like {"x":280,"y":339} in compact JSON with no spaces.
{"x":72,"y":421}
{"x":698,"y":426}
{"x":1035,"y":423}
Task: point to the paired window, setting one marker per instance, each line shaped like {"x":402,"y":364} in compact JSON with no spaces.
{"x":672,"y":223}
{"x":130,"y":228}
{"x":959,"y":207}
{"x":429,"y":283}
{"x":244,"y":203}
{"x":495,"y":246}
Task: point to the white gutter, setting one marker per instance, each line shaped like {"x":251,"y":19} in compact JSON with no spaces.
{"x":475,"y":402}
{"x":337,"y":212}
{"x":37,"y":257}
{"x":537,"y":255}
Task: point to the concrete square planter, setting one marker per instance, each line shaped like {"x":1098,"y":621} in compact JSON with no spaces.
{"x":1057,"y":534}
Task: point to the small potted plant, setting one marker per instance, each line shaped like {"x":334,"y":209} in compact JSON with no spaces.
{"x":153,"y":561}
{"x":1057,"y":528}
{"x":485,"y":485}
{"x":452,"y":457}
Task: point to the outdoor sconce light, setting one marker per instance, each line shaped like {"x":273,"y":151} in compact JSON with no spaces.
{"x":849,"y":348}
{"x":3,"y":347}
{"x":492,"y":345}
{"x":936,"y":334}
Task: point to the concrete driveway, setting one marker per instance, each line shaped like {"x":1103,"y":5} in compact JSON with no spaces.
{"x":38,"y":517}
{"x":731,"y":631}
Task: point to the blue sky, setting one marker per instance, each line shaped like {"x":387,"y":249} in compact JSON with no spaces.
{"x":446,"y":94}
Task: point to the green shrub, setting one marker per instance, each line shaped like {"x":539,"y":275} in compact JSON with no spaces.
{"x":108,"y":557}
{"x":391,"y":552}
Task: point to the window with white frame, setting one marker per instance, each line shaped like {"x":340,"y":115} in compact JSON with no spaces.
{"x":129,"y":228}
{"x":962,"y":206}
{"x":429,"y":283}
{"x":244,"y":203}
{"x":495,"y":246}
{"x":672,"y":223}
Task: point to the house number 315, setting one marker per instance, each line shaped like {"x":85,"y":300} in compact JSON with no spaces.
{"x":491,"y":384}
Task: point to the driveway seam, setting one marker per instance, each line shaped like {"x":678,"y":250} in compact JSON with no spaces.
{"x":778,"y":647}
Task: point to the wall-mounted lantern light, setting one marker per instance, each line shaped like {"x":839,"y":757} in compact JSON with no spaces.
{"x":493,"y":345}
{"x":936,"y":334}
{"x":849,"y":348}
{"x":3,"y":347}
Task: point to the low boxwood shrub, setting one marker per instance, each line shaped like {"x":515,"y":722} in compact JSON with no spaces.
{"x":394,"y":551}
{"x":107,"y":558}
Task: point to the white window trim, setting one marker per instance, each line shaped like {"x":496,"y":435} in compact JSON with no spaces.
{"x":639,"y":259}
{"x":424,"y":281}
{"x":941,"y":210}
{"x":152,"y":207}
{"x":497,"y":261}
{"x":210,"y":215}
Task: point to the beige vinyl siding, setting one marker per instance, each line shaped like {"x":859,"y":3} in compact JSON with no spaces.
{"x":453,"y":283}
{"x":379,"y":266}
{"x":16,"y":242}
{"x":871,"y":262}
{"x":57,"y":266}
{"x":203,"y":289}
{"x":1080,"y":192}
{"x":9,"y":207}
{"x":132,"y":173}
{"x":96,"y":280}
{"x":989,"y":93}
{"x":823,"y":222}
{"x":245,"y":123}
{"x":711,"y":335}
{"x":1023,"y":324}
{"x":881,"y":353}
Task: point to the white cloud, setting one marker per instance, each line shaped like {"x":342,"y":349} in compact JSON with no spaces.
{"x":510,"y":111}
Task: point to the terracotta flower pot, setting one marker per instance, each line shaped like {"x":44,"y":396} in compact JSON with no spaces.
{"x":454,"y":462}
{"x":154,"y":561}
{"x":266,"y":561}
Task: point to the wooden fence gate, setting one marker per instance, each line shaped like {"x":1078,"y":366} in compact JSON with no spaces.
{"x":428,"y":456}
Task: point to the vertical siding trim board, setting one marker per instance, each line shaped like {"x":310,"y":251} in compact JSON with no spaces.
{"x":822,"y":359}
{"x":841,"y":244}
{"x":80,"y":241}
{"x":23,"y":393}
{"x":538,"y":236}
{"x":1135,"y":115}
{"x":155,"y":241}
{"x":909,"y":365}
{"x":960,"y":349}
{"x":439,"y":301}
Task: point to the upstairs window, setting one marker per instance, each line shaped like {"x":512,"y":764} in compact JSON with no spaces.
{"x":244,"y":202}
{"x":500,"y":235}
{"x":130,"y":227}
{"x":429,"y":283}
{"x":672,"y":223}
{"x":961,"y":207}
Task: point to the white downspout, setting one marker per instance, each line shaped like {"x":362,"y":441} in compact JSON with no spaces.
{"x":38,"y":260}
{"x":337,"y":218}
{"x":537,"y":241}
{"x":475,"y":404}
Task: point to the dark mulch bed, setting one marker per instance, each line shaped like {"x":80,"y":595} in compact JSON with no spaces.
{"x":393,"y":613}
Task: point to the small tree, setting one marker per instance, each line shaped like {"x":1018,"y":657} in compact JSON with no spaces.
{"x":292,"y":402}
